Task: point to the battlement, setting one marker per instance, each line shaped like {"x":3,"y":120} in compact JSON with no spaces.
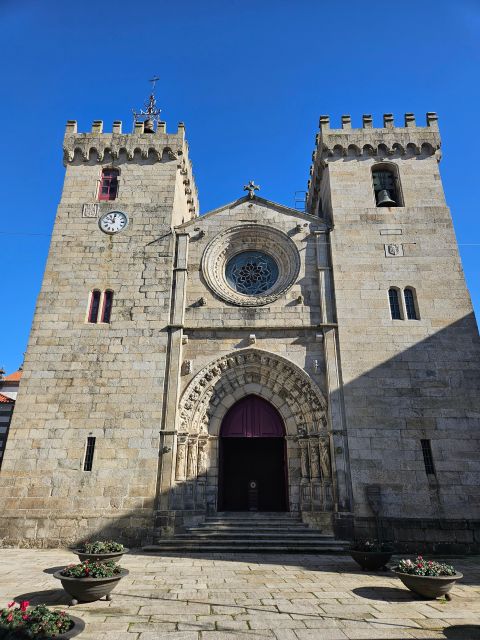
{"x":367,"y":141}
{"x":115,"y":147}
{"x":383,"y":141}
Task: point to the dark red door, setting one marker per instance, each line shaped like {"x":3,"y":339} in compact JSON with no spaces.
{"x":252,"y":449}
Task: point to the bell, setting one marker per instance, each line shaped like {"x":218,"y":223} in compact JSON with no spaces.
{"x":148,"y":126}
{"x":384,"y":199}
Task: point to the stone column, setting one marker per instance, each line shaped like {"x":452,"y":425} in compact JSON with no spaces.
{"x":180,"y":467}
{"x":326,"y":469}
{"x":304,"y":466}
{"x":202,"y":458}
{"x":167,"y":467}
{"x":305,"y":490}
{"x":315,"y":474}
{"x":338,"y":435}
{"x":202,"y":468}
{"x":192,"y":459}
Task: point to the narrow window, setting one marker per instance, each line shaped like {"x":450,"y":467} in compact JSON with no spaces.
{"x":94,"y":306}
{"x":386,"y":185}
{"x":410,"y":304}
{"x":108,"y":184}
{"x":427,"y":457}
{"x":107,"y":306}
{"x":394,"y":304}
{"x":89,"y":451}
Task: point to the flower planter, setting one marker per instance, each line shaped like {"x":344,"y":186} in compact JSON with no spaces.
{"x":429,"y":586}
{"x":89,"y":589}
{"x":77,"y":627}
{"x":371,"y":560}
{"x":100,"y":557}
{"x":75,"y":630}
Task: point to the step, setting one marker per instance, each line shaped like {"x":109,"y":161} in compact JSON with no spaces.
{"x":201,"y":531}
{"x":237,"y":547}
{"x":254,"y":523}
{"x":301,"y":535}
{"x":256,"y":527}
{"x":253,"y":515}
{"x":166,"y":542}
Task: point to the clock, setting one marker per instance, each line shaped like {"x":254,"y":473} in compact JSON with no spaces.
{"x":113,"y":222}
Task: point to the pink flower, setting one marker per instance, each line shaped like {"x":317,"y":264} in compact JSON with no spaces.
{"x":11,"y":604}
{"x":24,"y":617}
{"x":24,"y":605}
{"x":10,"y":617}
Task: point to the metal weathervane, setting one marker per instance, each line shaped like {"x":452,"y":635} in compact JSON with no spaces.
{"x":150,"y":110}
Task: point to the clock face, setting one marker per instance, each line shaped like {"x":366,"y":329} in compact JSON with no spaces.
{"x":113,"y":222}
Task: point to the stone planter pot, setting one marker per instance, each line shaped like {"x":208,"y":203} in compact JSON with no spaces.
{"x":89,"y":589}
{"x":429,"y":586}
{"x":100,"y":557}
{"x":371,"y":560}
{"x":77,"y":628}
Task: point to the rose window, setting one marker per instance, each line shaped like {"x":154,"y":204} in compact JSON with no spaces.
{"x":251,"y":272}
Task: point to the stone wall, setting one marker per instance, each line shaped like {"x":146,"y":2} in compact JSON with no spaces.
{"x":213,"y":328}
{"x":100,"y":380}
{"x":404,"y":380}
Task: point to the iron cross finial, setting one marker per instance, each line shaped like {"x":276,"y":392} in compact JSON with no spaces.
{"x":150,"y":112}
{"x":251,"y":187}
{"x":154,"y":82}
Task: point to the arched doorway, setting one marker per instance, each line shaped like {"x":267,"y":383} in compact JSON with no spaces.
{"x":252,"y":458}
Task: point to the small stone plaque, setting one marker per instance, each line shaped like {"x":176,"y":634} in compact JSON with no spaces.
{"x":391,"y":232}
{"x":393,"y":250}
{"x":90,"y":210}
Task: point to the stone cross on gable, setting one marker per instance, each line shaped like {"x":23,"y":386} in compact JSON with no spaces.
{"x":251,"y":187}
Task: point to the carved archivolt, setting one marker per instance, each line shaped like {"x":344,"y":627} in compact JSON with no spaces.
{"x":250,"y":237}
{"x":215,"y":388}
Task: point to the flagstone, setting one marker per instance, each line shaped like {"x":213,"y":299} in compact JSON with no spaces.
{"x":243,"y":597}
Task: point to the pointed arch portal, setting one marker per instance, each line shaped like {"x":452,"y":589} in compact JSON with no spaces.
{"x":252,"y":462}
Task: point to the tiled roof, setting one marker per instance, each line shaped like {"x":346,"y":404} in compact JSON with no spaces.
{"x":13,"y":377}
{"x":5,"y":400}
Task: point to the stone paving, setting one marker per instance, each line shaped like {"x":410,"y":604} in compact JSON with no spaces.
{"x":240,"y":597}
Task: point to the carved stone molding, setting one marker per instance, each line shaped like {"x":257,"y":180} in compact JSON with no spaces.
{"x":250,"y":237}
{"x":301,"y":401}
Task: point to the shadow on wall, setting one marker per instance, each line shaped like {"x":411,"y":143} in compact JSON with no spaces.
{"x":427,"y":392}
{"x":414,"y":431}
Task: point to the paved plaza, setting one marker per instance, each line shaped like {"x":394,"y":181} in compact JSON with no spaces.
{"x":236,"y":597}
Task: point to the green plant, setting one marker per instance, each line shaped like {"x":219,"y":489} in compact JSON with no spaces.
{"x":22,"y":621}
{"x":422,"y":567}
{"x":101,"y":546}
{"x":370,"y":546}
{"x":89,"y":569}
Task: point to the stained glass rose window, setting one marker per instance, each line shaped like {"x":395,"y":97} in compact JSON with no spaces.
{"x":251,"y":272}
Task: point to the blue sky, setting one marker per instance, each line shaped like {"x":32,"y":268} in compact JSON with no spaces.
{"x":248,"y":78}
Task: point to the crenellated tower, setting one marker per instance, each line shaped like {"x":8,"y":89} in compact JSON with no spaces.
{"x":366,"y":147}
{"x":408,"y":341}
{"x":82,"y":456}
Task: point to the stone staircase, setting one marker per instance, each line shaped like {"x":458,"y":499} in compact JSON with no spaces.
{"x":250,"y":532}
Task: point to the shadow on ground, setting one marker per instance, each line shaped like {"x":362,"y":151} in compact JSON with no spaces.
{"x":462,"y":632}
{"x":387,"y":594}
{"x":49,"y":597}
{"x":52,"y":570}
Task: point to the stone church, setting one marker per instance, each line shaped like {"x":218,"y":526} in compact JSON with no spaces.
{"x":323,"y":364}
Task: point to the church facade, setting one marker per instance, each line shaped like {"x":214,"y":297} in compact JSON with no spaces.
{"x":324,"y":362}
